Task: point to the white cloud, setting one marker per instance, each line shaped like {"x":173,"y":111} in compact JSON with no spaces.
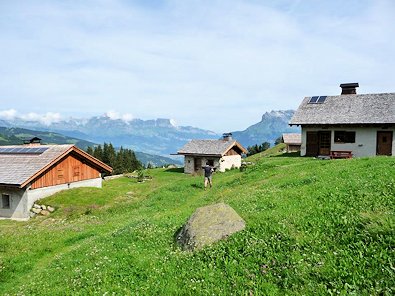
{"x":8,"y":114}
{"x":47,"y":118}
{"x":116,"y":115}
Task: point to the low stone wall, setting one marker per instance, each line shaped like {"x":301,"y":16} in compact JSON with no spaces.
{"x":43,"y":210}
{"x":113,"y":177}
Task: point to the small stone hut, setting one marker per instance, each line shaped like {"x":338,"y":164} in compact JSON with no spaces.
{"x":221,"y":154}
{"x":292,"y":142}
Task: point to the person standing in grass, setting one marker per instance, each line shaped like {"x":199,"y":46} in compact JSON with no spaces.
{"x":208,"y":175}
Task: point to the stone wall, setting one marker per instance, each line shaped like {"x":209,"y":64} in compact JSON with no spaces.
{"x":40,"y":193}
{"x":189,"y":164}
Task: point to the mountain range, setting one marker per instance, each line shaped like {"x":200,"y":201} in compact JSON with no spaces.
{"x":272,"y":125}
{"x":157,"y":137}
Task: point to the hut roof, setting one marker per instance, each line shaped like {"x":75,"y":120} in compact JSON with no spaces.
{"x":210,"y":147}
{"x":294,"y":138}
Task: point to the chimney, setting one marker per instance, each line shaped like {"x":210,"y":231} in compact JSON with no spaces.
{"x":227,"y":136}
{"x":32,"y":142}
{"x":349,"y":88}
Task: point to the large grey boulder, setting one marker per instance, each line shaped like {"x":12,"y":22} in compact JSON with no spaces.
{"x":208,"y":225}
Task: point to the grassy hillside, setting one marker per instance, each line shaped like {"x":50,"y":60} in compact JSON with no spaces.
{"x":313,"y":228}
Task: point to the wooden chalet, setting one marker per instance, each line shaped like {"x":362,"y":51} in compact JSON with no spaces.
{"x":31,"y":172}
{"x":347,"y":125}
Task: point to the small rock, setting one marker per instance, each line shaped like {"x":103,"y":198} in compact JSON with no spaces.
{"x":44,"y":213}
{"x":36,"y":211}
{"x":44,"y":207}
{"x":36,"y":206}
{"x":32,"y":214}
{"x":50,"y":209}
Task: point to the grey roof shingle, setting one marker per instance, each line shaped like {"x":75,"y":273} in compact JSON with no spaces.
{"x":348,"y":109}
{"x":15,"y":169}
{"x":207,"y":147}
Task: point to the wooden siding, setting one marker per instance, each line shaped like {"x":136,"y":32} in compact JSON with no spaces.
{"x":68,"y":170}
{"x":233,"y":151}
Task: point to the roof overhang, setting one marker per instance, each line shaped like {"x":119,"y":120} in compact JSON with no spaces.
{"x":200,"y":154}
{"x":383,"y":125}
{"x":10,"y":185}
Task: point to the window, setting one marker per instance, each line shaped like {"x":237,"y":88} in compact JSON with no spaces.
{"x":344,"y":137}
{"x":60,"y":173}
{"x":5,"y":201}
{"x":210,"y":162}
{"x":76,"y":171}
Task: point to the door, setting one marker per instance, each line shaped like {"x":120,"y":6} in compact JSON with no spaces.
{"x":318,"y":143}
{"x":324,"y":143}
{"x":384,"y":143}
{"x":312,"y":144}
{"x":198,"y":164}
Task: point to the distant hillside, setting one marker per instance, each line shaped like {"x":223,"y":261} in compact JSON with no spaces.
{"x":272,"y":126}
{"x":156,"y":160}
{"x":15,"y":136}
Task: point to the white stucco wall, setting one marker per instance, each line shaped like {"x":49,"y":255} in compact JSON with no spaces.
{"x":227,"y":162}
{"x":22,"y":200}
{"x":365,"y":140}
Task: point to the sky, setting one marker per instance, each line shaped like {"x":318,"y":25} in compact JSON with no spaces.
{"x":213,"y":64}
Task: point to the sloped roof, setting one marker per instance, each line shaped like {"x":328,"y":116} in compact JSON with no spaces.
{"x":292,"y":138}
{"x":348,"y":109}
{"x":20,"y":169}
{"x":209,"y":147}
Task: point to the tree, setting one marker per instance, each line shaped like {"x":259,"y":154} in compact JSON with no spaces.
{"x":256,"y":149}
{"x":122,"y":161}
{"x":98,"y":152}
{"x":278,"y":140}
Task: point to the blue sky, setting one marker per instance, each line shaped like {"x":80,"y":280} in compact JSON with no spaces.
{"x":217,"y":65}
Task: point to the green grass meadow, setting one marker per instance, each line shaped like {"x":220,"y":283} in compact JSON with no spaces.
{"x":314,"y":227}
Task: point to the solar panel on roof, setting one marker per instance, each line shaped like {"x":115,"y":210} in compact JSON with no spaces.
{"x":22,"y":150}
{"x":313,"y":100}
{"x":321,"y":99}
{"x":33,"y":150}
{"x":41,"y":149}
